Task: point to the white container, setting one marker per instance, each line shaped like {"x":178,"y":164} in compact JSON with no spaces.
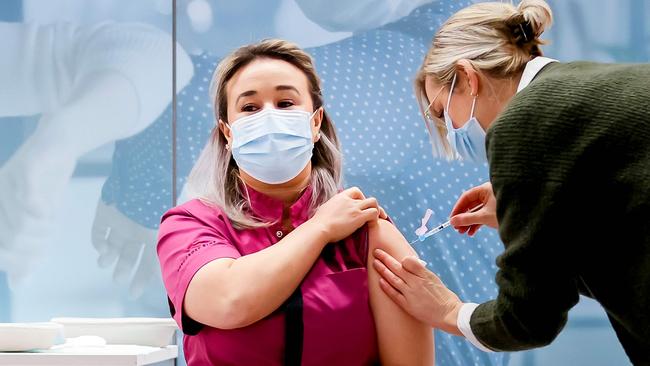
{"x":19,"y":337}
{"x":153,"y":332}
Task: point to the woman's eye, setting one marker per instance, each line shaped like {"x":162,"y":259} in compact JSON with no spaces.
{"x":249,"y":108}
{"x":285,"y":104}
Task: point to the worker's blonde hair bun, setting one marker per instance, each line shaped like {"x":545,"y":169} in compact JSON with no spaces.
{"x":538,"y":13}
{"x":527,"y":23}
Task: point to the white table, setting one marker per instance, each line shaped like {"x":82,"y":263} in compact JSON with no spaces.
{"x":109,"y":355}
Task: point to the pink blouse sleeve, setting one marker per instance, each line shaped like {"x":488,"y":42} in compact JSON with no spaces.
{"x":188,"y":239}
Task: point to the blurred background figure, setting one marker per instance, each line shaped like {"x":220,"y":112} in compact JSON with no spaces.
{"x":88,"y":85}
{"x":66,"y":89}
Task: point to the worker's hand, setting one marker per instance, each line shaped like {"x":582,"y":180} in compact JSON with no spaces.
{"x":127,"y":244}
{"x":418,"y":291}
{"x":469,"y":222}
{"x":346,"y":212}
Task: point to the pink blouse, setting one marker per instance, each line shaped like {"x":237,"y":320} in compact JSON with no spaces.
{"x":327,"y":322}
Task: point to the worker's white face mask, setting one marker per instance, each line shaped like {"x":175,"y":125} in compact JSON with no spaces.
{"x":469,"y":140}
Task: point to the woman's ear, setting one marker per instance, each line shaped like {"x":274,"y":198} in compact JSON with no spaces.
{"x":226,"y":130}
{"x":316,"y":122}
{"x":473,"y":80}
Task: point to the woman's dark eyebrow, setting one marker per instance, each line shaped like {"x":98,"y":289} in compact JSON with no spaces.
{"x":287,"y":87}
{"x":279,"y":87}
{"x":245,"y":94}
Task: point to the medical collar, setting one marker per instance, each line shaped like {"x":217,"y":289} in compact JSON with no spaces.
{"x":533,"y":67}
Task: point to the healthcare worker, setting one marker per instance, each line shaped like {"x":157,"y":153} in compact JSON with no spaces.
{"x":568,"y":146}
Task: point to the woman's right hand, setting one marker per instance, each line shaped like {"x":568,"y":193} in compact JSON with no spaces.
{"x":346,"y":212}
{"x":469,"y":222}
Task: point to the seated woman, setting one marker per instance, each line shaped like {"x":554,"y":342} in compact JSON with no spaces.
{"x":269,"y":264}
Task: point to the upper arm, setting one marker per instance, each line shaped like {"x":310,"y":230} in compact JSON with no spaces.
{"x":206,"y":299}
{"x":192,"y":254}
{"x":402,"y":339}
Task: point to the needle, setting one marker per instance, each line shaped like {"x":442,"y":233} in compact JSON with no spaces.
{"x":440,"y":227}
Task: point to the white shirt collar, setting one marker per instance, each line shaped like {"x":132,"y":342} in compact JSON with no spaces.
{"x":531,"y":70}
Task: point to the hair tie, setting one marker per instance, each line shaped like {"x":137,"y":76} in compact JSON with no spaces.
{"x":523,"y":32}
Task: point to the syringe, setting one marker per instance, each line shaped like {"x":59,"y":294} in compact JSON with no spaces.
{"x":440,"y":227}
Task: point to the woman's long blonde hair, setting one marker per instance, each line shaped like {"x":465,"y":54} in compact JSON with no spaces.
{"x":215,"y":177}
{"x":497,"y":38}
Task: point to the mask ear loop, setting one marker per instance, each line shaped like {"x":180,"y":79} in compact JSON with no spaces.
{"x":451,"y":91}
{"x":314,"y":113}
{"x":473,"y":105}
{"x":312,"y":116}
{"x":216,"y":128}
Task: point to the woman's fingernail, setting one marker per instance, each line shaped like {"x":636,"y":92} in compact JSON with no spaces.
{"x":423,"y":262}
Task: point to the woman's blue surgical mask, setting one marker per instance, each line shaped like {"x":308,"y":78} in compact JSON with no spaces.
{"x":273,"y":145}
{"x":469,"y":140}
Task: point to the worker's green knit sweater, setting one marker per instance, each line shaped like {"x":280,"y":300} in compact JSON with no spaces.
{"x":570,"y":167}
